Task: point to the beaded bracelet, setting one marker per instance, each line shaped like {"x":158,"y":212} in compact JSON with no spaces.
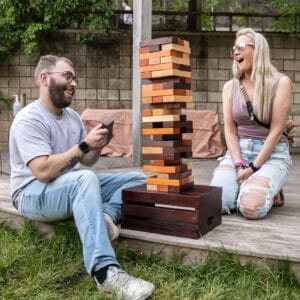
{"x":239,"y":162}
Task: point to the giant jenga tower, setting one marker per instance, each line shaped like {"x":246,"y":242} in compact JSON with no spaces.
{"x":165,"y":63}
{"x":169,"y":203}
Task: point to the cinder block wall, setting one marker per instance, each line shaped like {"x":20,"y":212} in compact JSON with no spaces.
{"x":104,"y":72}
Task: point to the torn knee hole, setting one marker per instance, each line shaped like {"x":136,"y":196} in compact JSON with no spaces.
{"x":253,"y":200}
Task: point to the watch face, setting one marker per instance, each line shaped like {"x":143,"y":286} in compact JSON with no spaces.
{"x":84,"y":147}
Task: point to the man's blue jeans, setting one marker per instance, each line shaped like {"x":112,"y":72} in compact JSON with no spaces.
{"x":84,"y":196}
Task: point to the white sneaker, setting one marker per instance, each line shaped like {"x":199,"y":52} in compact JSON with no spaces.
{"x":112,"y":228}
{"x":125,"y":286}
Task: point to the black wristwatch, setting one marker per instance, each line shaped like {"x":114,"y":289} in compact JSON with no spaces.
{"x":84,"y":147}
{"x":251,"y":165}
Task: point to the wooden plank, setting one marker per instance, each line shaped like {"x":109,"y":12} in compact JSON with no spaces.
{"x":161,"y":118}
{"x":182,"y":214}
{"x":165,"y":150}
{"x":144,"y":54}
{"x":182,"y":123}
{"x":185,"y":60}
{"x":188,"y":231}
{"x":167,"y":99}
{"x":162,"y":41}
{"x":185,"y":49}
{"x":163,"y":169}
{"x":166,"y":92}
{"x":160,"y":131}
{"x":161,"y":111}
{"x":165,"y":67}
{"x":165,"y":73}
{"x":171,"y":182}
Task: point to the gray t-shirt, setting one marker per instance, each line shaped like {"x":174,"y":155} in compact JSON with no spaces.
{"x":35,"y":132}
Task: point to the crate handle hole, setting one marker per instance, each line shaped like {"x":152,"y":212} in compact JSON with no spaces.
{"x":210,"y":220}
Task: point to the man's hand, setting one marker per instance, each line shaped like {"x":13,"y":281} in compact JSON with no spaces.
{"x":97,"y":137}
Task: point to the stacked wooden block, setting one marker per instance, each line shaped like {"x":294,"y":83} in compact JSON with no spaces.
{"x":169,"y":202}
{"x":165,"y":63}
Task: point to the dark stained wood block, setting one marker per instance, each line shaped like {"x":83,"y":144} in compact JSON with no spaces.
{"x":162,"y":41}
{"x":191,"y":213}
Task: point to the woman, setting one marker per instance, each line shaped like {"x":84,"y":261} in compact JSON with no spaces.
{"x":256,"y":165}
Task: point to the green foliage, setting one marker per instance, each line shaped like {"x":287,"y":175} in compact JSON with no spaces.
{"x":34,"y":267}
{"x":29,"y":23}
{"x":289,"y":11}
{"x":6,"y":100}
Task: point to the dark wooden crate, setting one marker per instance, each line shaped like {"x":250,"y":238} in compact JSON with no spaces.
{"x":191,"y":213}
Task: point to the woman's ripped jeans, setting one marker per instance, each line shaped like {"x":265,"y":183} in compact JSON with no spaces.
{"x":255,"y":197}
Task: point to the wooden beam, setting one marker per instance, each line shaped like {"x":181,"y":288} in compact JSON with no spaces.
{"x":142,"y":30}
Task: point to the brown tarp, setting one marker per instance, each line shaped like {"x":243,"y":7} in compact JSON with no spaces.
{"x":121,"y":142}
{"x":206,"y":136}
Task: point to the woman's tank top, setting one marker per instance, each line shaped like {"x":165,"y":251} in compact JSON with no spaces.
{"x":245,"y":127}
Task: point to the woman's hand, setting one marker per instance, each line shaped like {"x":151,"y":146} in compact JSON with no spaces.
{"x":243,"y":174}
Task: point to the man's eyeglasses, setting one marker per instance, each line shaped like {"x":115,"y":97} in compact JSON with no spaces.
{"x":68,"y":75}
{"x":241,"y":47}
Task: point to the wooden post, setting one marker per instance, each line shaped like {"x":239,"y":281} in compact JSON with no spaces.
{"x":142,"y":30}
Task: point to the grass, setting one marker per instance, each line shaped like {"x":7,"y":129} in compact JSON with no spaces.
{"x":35,"y":267}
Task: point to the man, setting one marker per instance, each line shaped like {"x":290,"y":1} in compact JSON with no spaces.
{"x":47,"y":144}
{"x":127,"y":18}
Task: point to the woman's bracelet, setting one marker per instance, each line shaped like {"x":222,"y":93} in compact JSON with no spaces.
{"x":254,"y":169}
{"x":238,"y":167}
{"x":239,"y":162}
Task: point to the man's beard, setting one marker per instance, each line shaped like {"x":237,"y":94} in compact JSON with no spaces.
{"x":57,"y":95}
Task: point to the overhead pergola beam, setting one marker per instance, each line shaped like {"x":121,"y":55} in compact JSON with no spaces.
{"x":142,"y":30}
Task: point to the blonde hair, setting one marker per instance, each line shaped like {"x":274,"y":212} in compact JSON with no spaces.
{"x":47,"y":62}
{"x":263,"y":72}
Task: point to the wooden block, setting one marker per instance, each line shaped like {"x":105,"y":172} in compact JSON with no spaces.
{"x":175,"y":98}
{"x":167,"y":156}
{"x":186,"y":142}
{"x":161,"y":118}
{"x":163,"y":131}
{"x":167,"y":124}
{"x":171,"y":189}
{"x":154,"y":61}
{"x":167,"y":137}
{"x":171,"y":156}
{"x":151,"y":143}
{"x":168,"y":163}
{"x":174,"y":105}
{"x":191,"y":213}
{"x":169,"y":182}
{"x":159,"y":54}
{"x":180,"y":175}
{"x":154,"y":48}
{"x":167,"y":99}
{"x":165,"y":73}
{"x":166,"y":150}
{"x":166,"y":92}
{"x":156,"y":150}
{"x":162,"y":41}
{"x":144,"y":50}
{"x":166,"y":111}
{"x":162,"y":169}
{"x":184,"y":49}
{"x":144,"y":62}
{"x":167,"y":66}
{"x":185,"y":60}
{"x":147,"y":112}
